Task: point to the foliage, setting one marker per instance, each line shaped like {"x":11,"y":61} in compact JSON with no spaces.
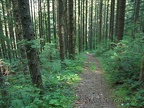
{"x":58,"y":83}
{"x":122,"y":65}
{"x":92,"y":66}
{"x":49,"y":51}
{"x":4,"y":38}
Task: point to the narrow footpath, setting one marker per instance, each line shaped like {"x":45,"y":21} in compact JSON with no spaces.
{"x":92,"y":91}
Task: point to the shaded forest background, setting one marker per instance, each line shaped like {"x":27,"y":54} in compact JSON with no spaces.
{"x":41,"y":42}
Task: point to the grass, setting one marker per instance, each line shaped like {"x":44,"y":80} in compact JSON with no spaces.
{"x":93,"y":66}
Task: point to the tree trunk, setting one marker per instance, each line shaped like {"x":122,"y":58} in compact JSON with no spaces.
{"x":71,"y":31}
{"x":10,"y":28}
{"x":95,"y":26}
{"x":66,"y":28}
{"x":79,"y":29}
{"x":83,"y":21}
{"x":121,"y":19}
{"x":19,"y":37}
{"x":136,"y":16}
{"x":40,"y":23}
{"x":28,"y":35}
{"x":117,"y":15}
{"x":141,"y":77}
{"x":61,"y":28}
{"x":91,"y":26}
{"x":112,"y":20}
{"x":8,"y":53}
{"x":54,"y":22}
{"x":137,"y":9}
{"x":100,"y":20}
{"x":81,"y":24}
{"x":107,"y":18}
{"x":48,"y":19}
{"x":86,"y":44}
{"x":3,"y":46}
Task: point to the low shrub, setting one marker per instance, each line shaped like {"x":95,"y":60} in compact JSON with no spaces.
{"x":122,"y":66}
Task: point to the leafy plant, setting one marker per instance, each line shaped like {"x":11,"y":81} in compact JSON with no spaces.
{"x":122,"y":66}
{"x":92,"y":66}
{"x":58,"y":82}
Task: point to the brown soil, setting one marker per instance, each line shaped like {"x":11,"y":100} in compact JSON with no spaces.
{"x":92,"y":91}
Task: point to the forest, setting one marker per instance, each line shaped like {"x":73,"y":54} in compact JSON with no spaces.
{"x":50,"y":48}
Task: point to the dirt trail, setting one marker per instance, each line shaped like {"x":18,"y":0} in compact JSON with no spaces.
{"x":92,"y":91}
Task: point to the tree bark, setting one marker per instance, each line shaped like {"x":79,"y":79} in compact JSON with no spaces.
{"x":100,"y":20}
{"x":136,"y":16}
{"x":10,"y":28}
{"x":3,"y":46}
{"x":71,"y":31}
{"x":66,"y":27}
{"x":117,"y":15}
{"x":40,"y":23}
{"x":121,"y":19}
{"x":141,"y":77}
{"x":91,"y":26}
{"x":107,"y":18}
{"x":54,"y":21}
{"x":86,"y":44}
{"x":8,"y":53}
{"x":61,"y":28}
{"x":28,"y":35}
{"x":79,"y":28}
{"x":48,"y":19}
{"x":19,"y":37}
{"x":112,"y":20}
{"x":83,"y":24}
{"x":137,"y":9}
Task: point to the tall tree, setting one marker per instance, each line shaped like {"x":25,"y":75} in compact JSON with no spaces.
{"x":6,"y":31}
{"x":137,"y":9}
{"x":48,"y":19}
{"x":71,"y":31}
{"x":2,"y":40}
{"x":40,"y":23}
{"x":100,"y":20}
{"x":79,"y":28}
{"x":86,"y":43}
{"x":120,"y":19}
{"x":141,"y":77}
{"x":117,"y":15}
{"x":54,"y":21}
{"x":95,"y":25}
{"x":91,"y":26}
{"x":66,"y":26}
{"x":61,"y":28}
{"x":28,"y":35}
{"x":83,"y":21}
{"x":107,"y":24}
{"x":19,"y":36}
{"x":112,"y":20}
{"x":136,"y":15}
{"x":81,"y":24}
{"x":10,"y":27}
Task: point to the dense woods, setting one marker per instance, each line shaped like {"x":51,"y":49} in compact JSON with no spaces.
{"x":41,"y":42}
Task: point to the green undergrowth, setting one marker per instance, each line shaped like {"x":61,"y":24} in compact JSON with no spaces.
{"x":59,"y":83}
{"x":92,"y":66}
{"x":122,"y":66}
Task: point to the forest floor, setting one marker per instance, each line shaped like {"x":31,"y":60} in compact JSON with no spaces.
{"x":92,"y":91}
